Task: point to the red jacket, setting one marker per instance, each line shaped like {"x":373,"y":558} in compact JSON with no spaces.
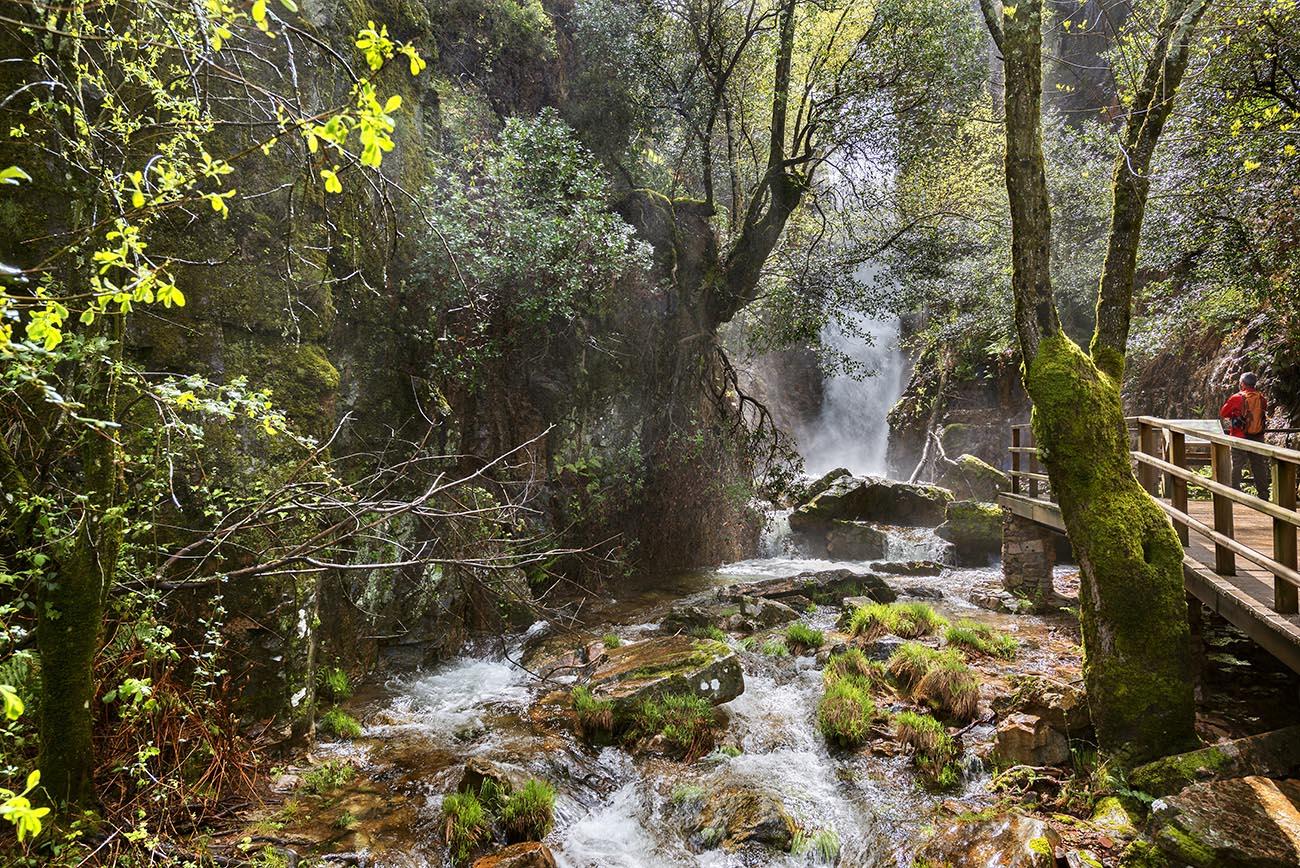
{"x":1235,"y":408}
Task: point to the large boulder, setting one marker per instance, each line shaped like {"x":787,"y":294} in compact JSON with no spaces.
{"x":734,"y":816}
{"x":667,"y":665}
{"x":1271,"y":754}
{"x":975,"y":530}
{"x":872,"y":498}
{"x":856,"y":541}
{"x":734,"y":613}
{"x":1063,"y":705}
{"x":971,"y":478}
{"x":530,"y":854}
{"x":1006,"y":841}
{"x":1026,"y":739}
{"x":822,"y":586}
{"x":1251,"y":822}
{"x":817,"y":486}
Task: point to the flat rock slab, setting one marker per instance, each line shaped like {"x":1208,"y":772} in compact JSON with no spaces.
{"x":1008,"y":841}
{"x":824,"y":586}
{"x":1273,"y":754}
{"x":671,"y":664}
{"x":1251,"y":822}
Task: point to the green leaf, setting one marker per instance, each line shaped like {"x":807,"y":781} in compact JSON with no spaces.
{"x":13,"y":175}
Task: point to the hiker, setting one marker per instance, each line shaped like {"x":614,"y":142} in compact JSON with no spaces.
{"x":1246,"y":412}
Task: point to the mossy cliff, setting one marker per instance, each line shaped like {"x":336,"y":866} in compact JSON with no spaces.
{"x":1137,"y":660}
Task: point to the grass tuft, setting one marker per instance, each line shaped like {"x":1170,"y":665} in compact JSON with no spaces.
{"x":981,"y":639}
{"x":338,"y":723}
{"x":800,"y":637}
{"x":908,"y":620}
{"x":333,"y":684}
{"x":529,"y":813}
{"x":465,"y":824}
{"x":611,"y":640}
{"x":776,"y":647}
{"x":949,"y":686}
{"x":910,"y":662}
{"x":594,"y":718}
{"x":933,"y":750}
{"x":327,"y":776}
{"x":854,"y":666}
{"x":685,"y":720}
{"x":823,"y":846}
{"x":709,"y":632}
{"x":845,"y":713}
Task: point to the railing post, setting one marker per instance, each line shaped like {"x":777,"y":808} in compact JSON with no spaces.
{"x":1033,"y":468}
{"x":1174,"y":485}
{"x":1015,"y":459}
{"x":1286,"y":598}
{"x":1225,"y":562}
{"x":1148,"y":476}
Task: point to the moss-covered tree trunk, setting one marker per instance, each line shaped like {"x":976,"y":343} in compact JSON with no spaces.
{"x":1137,"y":657}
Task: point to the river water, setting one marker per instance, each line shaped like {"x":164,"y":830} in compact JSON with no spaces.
{"x":616,"y":810}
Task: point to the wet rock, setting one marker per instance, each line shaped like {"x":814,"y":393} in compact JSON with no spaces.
{"x":910,"y":568}
{"x":1026,"y":739}
{"x":531,"y":854}
{"x":856,"y":541}
{"x":735,"y":816}
{"x":825,"y":586}
{"x":1083,"y":859}
{"x":922,"y":592}
{"x":872,"y":498}
{"x":671,"y":664}
{"x":1111,"y":814}
{"x":971,"y":478}
{"x":1062,"y":704}
{"x":1007,"y":841}
{"x":1251,"y":822}
{"x":996,"y":598}
{"x":478,"y":771}
{"x":1271,"y":754}
{"x":820,"y":484}
{"x":735,"y":613}
{"x":974,"y":529}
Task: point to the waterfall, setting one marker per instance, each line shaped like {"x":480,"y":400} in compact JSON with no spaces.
{"x":851,"y":430}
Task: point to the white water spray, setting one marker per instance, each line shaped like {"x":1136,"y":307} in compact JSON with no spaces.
{"x":852,"y":430}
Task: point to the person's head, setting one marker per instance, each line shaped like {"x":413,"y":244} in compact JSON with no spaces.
{"x":1248,"y":380}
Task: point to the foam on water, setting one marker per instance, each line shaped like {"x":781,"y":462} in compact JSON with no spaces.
{"x":457,"y":694}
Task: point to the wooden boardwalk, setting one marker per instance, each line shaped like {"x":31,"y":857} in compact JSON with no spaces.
{"x":1240,"y":551}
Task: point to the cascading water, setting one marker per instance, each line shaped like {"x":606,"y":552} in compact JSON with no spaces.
{"x":851,"y":431}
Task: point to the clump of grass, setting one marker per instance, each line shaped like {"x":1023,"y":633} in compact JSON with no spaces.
{"x":611,"y":640}
{"x":327,"y":776}
{"x":709,"y":632}
{"x":333,"y":684}
{"x":339,"y":723}
{"x":776,"y":647}
{"x":823,"y":845}
{"x":908,"y":620}
{"x":466,"y":824}
{"x":800,"y":637}
{"x":982,"y":639}
{"x":528,"y":814}
{"x":683,"y":719}
{"x":854,"y":665}
{"x":845,"y":713}
{"x":933,"y":750}
{"x":910,"y":662}
{"x":346,"y":820}
{"x":593,"y":718}
{"x":950,"y":687}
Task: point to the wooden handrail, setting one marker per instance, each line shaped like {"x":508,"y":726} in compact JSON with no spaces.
{"x":1162,"y":457}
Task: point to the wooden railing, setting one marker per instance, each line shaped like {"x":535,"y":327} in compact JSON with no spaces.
{"x":1165,"y":452}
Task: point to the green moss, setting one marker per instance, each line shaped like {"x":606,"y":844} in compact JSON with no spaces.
{"x":823,"y":846}
{"x":1170,"y":774}
{"x":687,"y":794}
{"x":1143,"y":853}
{"x":611,"y":640}
{"x":1137,"y":662}
{"x":529,"y":813}
{"x":1185,"y":849}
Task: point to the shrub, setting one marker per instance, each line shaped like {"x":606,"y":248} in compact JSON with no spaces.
{"x":339,"y":724}
{"x":465,"y":824}
{"x":910,"y":662}
{"x":611,"y":640}
{"x":333,"y":684}
{"x":982,"y":639}
{"x":933,"y":750}
{"x":823,"y":845}
{"x":845,"y":713}
{"x":949,"y":686}
{"x":327,"y":776}
{"x":800,"y":637}
{"x":683,"y":719}
{"x":529,"y":813}
{"x":594,"y":718}
{"x":854,"y":665}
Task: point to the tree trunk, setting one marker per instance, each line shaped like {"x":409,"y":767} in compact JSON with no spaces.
{"x":1137,"y":662}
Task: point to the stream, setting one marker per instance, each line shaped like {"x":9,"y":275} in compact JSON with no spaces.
{"x":613,"y":809}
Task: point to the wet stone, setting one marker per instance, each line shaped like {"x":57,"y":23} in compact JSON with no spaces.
{"x":1007,"y":841}
{"x":910,"y":568}
{"x":733,"y":817}
{"x":531,"y":854}
{"x":671,"y":664}
{"x":823,"y":586}
{"x":1251,"y":822}
{"x":1270,"y":754}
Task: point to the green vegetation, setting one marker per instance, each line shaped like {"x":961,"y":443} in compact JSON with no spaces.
{"x":528,"y":814}
{"x":339,"y":723}
{"x":611,"y":640}
{"x":709,"y":632}
{"x":910,"y":662}
{"x":685,"y":721}
{"x":845,"y":714}
{"x":906,"y":620}
{"x":949,"y":687}
{"x":465,"y":825}
{"x":933,"y":750}
{"x":823,"y":845}
{"x":327,"y":777}
{"x":854,"y":666}
{"x":799,"y":637}
{"x":333,"y":685}
{"x":775,"y":647}
{"x":981,"y":638}
{"x":594,"y":717}
{"x":687,"y":794}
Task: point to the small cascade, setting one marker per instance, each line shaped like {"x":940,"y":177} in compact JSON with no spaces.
{"x":777,"y":539}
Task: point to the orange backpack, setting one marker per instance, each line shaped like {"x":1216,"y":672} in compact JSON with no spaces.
{"x":1252,"y":406}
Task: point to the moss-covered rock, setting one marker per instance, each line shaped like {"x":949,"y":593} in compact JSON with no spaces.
{"x":664,"y":666}
{"x":1251,"y":822}
{"x":872,"y":498}
{"x":734,"y":816}
{"x":972,"y":478}
{"x":974,"y":528}
{"x":1009,"y":841}
{"x":1270,"y":754}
